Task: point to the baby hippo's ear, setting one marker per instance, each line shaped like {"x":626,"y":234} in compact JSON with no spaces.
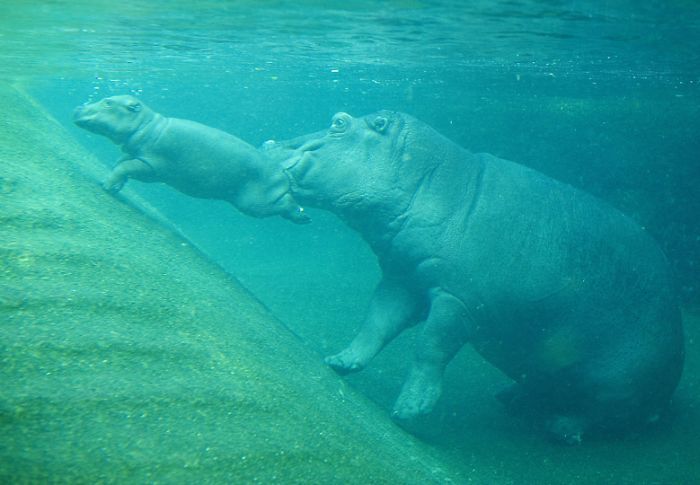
{"x":134,"y":106}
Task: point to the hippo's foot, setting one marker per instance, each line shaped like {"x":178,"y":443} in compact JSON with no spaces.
{"x":113,"y":187}
{"x":566,"y":429}
{"x":419,"y":394}
{"x":347,"y":361}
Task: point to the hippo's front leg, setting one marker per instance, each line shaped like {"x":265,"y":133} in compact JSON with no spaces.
{"x":445,"y":332}
{"x":392,"y":309}
{"x":125,"y":169}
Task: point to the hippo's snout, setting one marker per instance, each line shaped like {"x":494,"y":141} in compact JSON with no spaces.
{"x":298,"y":166}
{"x":77,"y":112}
{"x":311,"y":145}
{"x":301,"y":153}
{"x":81,"y":114}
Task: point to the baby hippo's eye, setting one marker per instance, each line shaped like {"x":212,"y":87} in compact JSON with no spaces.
{"x":107,"y":103}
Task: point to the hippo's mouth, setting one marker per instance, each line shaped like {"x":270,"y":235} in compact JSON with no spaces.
{"x":81,"y":117}
{"x":299,"y":164}
{"x":291,"y":168}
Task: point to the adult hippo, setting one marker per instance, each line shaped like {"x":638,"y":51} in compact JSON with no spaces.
{"x":564,"y":294}
{"x":191,"y":157}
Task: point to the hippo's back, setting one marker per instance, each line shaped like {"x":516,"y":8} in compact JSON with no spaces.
{"x":205,"y":162}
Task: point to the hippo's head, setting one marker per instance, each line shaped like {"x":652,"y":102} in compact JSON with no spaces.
{"x":283,"y":150}
{"x":360,"y":164}
{"x":116,"y":117}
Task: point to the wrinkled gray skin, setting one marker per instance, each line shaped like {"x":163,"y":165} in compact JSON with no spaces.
{"x":193,"y":158}
{"x":280,"y":151}
{"x":567,"y":296}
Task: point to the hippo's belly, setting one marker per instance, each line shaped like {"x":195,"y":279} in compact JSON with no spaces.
{"x":550,"y":277}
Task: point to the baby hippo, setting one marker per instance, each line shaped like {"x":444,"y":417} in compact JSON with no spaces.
{"x":195,"y":159}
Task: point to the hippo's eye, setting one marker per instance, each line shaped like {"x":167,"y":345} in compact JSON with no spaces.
{"x":107,"y":103}
{"x":340,"y":123}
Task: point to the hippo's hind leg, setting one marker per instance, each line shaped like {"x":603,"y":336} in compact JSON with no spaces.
{"x":392,"y":309}
{"x":445,"y":332}
{"x":125,"y":169}
{"x":561,"y":422}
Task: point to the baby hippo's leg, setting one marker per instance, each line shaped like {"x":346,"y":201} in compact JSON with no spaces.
{"x":125,"y":169}
{"x":444,"y":334}
{"x":392,"y":309}
{"x":292,"y":211}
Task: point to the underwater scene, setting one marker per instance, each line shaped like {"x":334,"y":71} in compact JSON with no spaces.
{"x":401,"y":241}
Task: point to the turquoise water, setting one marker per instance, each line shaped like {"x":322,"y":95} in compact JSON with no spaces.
{"x":602,"y":95}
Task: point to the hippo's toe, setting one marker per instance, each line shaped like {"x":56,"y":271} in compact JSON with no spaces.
{"x":298,"y":216}
{"x":345,"y":362}
{"x":113,"y":186}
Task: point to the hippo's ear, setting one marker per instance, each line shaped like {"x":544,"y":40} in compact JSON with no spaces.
{"x":379,"y":124}
{"x":134,"y":106}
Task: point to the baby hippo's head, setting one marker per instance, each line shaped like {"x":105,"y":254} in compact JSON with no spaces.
{"x":116,"y":117}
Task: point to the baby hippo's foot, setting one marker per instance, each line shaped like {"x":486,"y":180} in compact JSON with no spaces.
{"x":347,"y":361}
{"x":297,"y":215}
{"x":419,"y":394}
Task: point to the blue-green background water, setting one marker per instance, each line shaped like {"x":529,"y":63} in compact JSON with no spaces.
{"x":602,"y":95}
